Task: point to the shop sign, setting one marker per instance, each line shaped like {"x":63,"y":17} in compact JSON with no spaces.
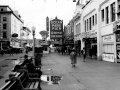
{"x":57,"y":42}
{"x":90,"y":34}
{"x":69,"y":42}
{"x":108,"y":38}
{"x":83,"y":35}
{"x":108,"y":57}
{"x":43,"y":43}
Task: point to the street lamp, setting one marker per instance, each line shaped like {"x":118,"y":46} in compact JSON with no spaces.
{"x":0,"y":43}
{"x":33,"y":31}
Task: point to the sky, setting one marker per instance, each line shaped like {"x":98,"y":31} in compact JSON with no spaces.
{"x":34,"y":12}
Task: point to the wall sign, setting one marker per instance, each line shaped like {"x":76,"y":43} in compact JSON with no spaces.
{"x":108,"y":38}
{"x":108,"y":57}
{"x":56,"y":29}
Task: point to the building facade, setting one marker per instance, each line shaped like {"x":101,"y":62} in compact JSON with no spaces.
{"x":99,"y":28}
{"x":10,"y":23}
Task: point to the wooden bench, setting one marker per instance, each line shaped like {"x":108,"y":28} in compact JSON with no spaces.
{"x":10,"y":84}
{"x":27,"y":83}
{"x":22,"y":82}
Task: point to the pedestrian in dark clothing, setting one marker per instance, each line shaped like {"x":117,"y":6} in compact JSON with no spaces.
{"x":84,"y":54}
{"x":62,"y":50}
{"x":26,"y":61}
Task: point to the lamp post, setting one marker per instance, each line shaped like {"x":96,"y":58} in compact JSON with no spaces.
{"x":33,"y":31}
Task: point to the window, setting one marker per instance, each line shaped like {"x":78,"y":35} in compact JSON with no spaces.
{"x":112,"y":12}
{"x":107,"y":15}
{"x":90,"y":22}
{"x":108,"y":48}
{"x":1,"y":9}
{"x":4,"y":18}
{"x":0,"y":18}
{"x":85,"y":25}
{"x":78,"y":29}
{"x":93,"y":20}
{"x":102,"y":15}
{"x":4,"y":26}
{"x":4,"y":34}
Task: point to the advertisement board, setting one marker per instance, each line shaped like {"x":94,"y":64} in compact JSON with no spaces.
{"x":56,"y":29}
{"x":108,"y":57}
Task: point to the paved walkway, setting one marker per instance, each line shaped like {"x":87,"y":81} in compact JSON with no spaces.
{"x":89,"y":75}
{"x":7,"y":62}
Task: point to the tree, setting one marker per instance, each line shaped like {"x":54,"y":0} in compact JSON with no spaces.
{"x":44,"y":34}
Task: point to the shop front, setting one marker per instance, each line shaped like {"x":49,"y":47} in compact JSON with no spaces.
{"x":4,"y":44}
{"x":69,"y":42}
{"x":116,"y":30}
{"x":108,"y":48}
{"x":78,"y":47}
{"x":90,"y":43}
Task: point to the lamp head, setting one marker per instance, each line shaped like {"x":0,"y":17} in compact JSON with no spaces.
{"x":33,"y":29}
{"x":74,"y":0}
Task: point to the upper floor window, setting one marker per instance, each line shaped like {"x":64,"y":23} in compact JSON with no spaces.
{"x":4,"y":26}
{"x":95,"y":18}
{"x":90,"y":22}
{"x":107,"y":15}
{"x":0,"y":18}
{"x":113,"y":12}
{"x":4,"y":34}
{"x":1,"y":9}
{"x":78,"y":29}
{"x":102,"y":15}
{"x":85,"y":25}
{"x":4,"y":18}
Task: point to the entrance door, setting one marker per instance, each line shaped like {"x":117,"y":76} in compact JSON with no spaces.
{"x":94,"y":49}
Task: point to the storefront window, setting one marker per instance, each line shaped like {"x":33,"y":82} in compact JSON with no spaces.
{"x":108,"y":48}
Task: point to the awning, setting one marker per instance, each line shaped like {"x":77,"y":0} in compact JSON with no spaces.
{"x":16,"y":47}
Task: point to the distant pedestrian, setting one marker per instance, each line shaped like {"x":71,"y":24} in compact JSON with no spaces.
{"x":84,"y":54}
{"x":73,"y":57}
{"x":2,"y":52}
{"x":26,"y":60}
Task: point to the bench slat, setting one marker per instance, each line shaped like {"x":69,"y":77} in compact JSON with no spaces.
{"x":32,"y":85}
{"x":28,"y":85}
{"x":36,"y":84}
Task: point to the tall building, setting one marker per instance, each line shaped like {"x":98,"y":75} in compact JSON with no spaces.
{"x":47,"y":24}
{"x":10,"y":25}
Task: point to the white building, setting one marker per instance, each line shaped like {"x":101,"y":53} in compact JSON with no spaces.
{"x":10,"y":23}
{"x":99,"y":28}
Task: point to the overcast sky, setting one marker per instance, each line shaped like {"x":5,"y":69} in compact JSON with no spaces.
{"x":34,"y":12}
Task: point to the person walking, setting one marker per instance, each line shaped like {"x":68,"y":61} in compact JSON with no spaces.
{"x":73,"y":57}
{"x":84,"y":54}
